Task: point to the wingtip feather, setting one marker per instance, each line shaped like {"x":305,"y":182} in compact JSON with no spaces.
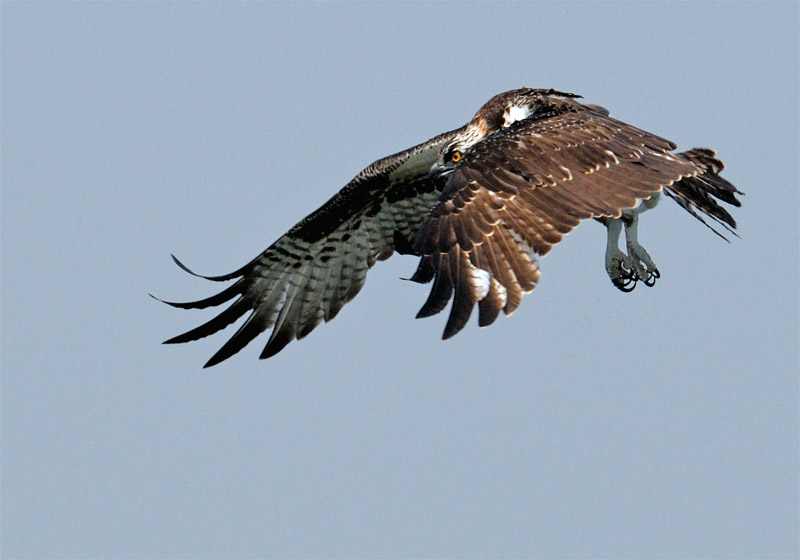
{"x":221,"y":278}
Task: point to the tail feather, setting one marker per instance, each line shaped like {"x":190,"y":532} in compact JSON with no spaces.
{"x":698,"y":195}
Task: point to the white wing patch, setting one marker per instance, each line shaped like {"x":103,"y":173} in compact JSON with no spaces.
{"x":481,"y":282}
{"x":514,"y":113}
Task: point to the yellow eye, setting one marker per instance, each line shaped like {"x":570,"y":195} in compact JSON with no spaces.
{"x":455,"y":157}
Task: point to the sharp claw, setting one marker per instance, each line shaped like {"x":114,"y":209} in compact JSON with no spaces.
{"x":628,"y":285}
{"x":652,"y":277}
{"x":626,"y":270}
{"x":624,"y":276}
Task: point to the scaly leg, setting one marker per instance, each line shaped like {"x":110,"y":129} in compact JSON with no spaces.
{"x":638,"y":259}
{"x":625,"y":270}
{"x":617,"y":265}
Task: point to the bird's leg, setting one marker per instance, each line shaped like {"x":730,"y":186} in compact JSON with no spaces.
{"x":638,"y":260}
{"x":617,"y":265}
{"x":625,"y":270}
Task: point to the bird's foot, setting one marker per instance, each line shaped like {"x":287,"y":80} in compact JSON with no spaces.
{"x":626,"y":270}
{"x":642,"y":264}
{"x":620,"y":271}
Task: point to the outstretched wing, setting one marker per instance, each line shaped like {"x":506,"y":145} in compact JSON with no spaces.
{"x":518,"y":192}
{"x":307,"y":275}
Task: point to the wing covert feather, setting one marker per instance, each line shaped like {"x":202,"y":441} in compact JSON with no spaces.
{"x":515,"y":194}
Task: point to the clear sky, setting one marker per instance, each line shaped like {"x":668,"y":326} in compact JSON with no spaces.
{"x":591,"y":423}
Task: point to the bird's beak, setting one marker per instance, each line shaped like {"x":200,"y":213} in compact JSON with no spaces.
{"x":435,"y":171}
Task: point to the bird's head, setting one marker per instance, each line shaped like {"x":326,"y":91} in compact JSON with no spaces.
{"x":500,"y":112}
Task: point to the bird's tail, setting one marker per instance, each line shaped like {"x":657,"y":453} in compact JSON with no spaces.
{"x":701,"y":192}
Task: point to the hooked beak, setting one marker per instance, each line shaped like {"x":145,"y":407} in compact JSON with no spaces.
{"x":437,"y":170}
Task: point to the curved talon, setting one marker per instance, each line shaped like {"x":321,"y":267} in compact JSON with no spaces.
{"x":628,"y":284}
{"x":651,"y":280}
{"x":627,"y":287}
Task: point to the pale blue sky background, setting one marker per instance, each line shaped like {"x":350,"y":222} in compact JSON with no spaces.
{"x":662,"y":423}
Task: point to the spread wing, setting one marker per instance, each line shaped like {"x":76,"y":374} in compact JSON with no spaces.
{"x":307,"y":275}
{"x":518,"y":192}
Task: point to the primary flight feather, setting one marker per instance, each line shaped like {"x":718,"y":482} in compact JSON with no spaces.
{"x":478,"y":205}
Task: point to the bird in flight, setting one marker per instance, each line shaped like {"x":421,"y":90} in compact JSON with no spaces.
{"x":478,"y":205}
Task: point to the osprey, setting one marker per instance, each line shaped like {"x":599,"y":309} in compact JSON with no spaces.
{"x":478,"y":205}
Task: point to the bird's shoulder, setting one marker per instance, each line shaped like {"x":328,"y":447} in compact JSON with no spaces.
{"x":386,"y":181}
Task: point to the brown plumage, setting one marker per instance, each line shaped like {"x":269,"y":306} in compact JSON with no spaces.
{"x":478,"y":204}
